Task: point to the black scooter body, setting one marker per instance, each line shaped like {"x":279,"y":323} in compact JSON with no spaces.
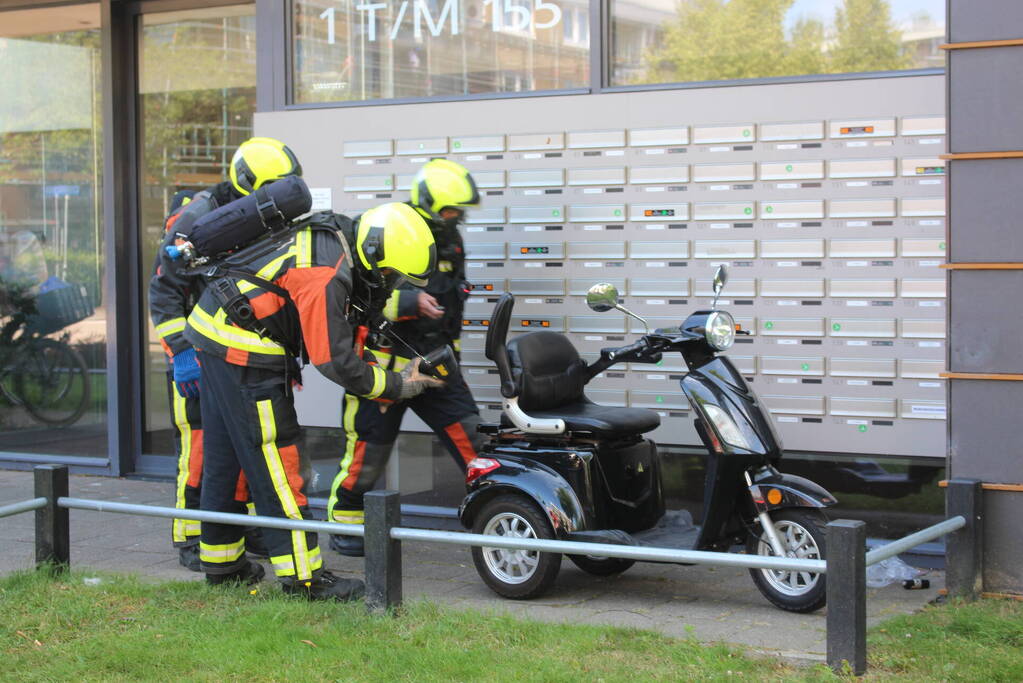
{"x":580,"y":486}
{"x":602,"y":482}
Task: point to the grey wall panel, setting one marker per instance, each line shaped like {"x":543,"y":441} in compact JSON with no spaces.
{"x":983,"y":113}
{"x":984,"y":441}
{"x":983,"y":213}
{"x":970,"y":20}
{"x":786,"y":231}
{"x":986,"y":335}
{"x":1003,"y":553}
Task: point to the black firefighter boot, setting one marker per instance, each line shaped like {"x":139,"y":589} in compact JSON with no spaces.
{"x":326,"y":586}
{"x":352,"y":546}
{"x":250,"y":574}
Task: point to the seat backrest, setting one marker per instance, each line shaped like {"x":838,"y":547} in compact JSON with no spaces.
{"x":546,"y":369}
{"x":495,"y":348}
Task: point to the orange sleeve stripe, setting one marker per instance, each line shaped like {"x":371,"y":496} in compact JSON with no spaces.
{"x":456,"y":432}
{"x":195,"y":460}
{"x":237,"y":356}
{"x":166,"y":348}
{"x":266,"y":304}
{"x":241,"y":489}
{"x":308,"y":289}
{"x":292,"y":468}
{"x":358,"y":455}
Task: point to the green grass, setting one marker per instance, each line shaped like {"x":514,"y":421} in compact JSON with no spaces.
{"x":123,"y":628}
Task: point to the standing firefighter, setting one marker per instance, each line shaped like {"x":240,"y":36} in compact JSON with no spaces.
{"x":304,"y":298}
{"x":257,"y":162}
{"x":425,"y":319}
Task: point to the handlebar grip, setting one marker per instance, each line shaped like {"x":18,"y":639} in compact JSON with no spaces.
{"x":631,"y":348}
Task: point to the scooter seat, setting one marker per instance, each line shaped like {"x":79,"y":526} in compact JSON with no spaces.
{"x":602,"y":421}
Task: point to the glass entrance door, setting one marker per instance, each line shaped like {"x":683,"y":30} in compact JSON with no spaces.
{"x":53,"y":392}
{"x":197,"y":95}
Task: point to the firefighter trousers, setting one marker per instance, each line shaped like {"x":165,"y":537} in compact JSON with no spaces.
{"x":187,"y":421}
{"x":369,"y":436}
{"x":250,"y":427}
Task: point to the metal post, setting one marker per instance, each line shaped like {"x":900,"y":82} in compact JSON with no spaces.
{"x":383,"y":553}
{"x":964,"y":548}
{"x":847,"y":595}
{"x":53,"y":536}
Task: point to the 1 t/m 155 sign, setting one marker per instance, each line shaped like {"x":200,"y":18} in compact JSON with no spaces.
{"x":512,"y":15}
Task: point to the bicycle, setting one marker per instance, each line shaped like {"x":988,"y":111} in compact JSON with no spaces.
{"x":45,"y":376}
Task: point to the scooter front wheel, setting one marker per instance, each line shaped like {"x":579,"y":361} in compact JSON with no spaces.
{"x":802,"y":534}
{"x":515,"y":574}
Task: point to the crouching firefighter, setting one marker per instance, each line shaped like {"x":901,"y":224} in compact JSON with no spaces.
{"x":265,"y":308}
{"x":423,"y":321}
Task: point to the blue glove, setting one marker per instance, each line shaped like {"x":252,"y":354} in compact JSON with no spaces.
{"x":186,"y":373}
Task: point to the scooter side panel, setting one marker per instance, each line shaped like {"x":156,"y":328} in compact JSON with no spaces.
{"x":534,"y":480}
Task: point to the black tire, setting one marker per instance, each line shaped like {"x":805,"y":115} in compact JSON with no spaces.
{"x":515,"y":574}
{"x":803,"y":532}
{"x":601,"y":566}
{"x":53,"y":382}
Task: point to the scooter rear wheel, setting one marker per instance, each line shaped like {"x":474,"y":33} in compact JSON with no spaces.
{"x":601,"y":566}
{"x":515,"y":574}
{"x":802,"y":533}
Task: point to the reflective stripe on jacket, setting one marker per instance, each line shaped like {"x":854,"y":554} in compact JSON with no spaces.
{"x":312,"y":267}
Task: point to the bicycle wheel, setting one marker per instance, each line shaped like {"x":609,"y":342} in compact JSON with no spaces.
{"x":52,"y":382}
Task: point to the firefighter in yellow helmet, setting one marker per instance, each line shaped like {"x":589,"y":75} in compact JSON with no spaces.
{"x":427,"y":319}
{"x":256,"y":162}
{"x":310,"y":298}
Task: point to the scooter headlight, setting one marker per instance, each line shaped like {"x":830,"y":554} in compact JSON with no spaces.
{"x":720,"y":330}
{"x":725,"y":426}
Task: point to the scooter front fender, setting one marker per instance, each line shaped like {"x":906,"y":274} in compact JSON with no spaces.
{"x":544,"y":486}
{"x":795,"y":492}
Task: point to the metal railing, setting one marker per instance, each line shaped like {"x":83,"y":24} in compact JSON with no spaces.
{"x":845,"y":565}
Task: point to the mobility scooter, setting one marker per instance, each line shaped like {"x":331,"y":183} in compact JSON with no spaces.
{"x":560,"y":466}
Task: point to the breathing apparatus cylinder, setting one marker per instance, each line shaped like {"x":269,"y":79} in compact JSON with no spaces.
{"x":236,"y":224}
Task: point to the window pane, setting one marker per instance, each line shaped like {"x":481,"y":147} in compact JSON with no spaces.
{"x":52,"y":317}
{"x":198,"y":94}
{"x":428,"y":48}
{"x":663,"y":41}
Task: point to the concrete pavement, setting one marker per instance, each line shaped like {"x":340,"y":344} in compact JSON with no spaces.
{"x":712,"y":604}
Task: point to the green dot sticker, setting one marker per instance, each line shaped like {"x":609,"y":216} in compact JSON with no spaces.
{"x":556,"y":212}
{"x":788,"y":168}
{"x":805,"y":366}
{"x":836,"y":326}
{"x":387,"y":181}
{"x":768,"y":209}
{"x":768,"y":325}
{"x":456,"y":144}
{"x":861,"y":428}
{"x":747,"y":211}
{"x":421,"y":145}
{"x":659,"y":399}
{"x":746,"y":133}
{"x":618,"y":212}
{"x":659,"y":363}
{"x":941,"y":245}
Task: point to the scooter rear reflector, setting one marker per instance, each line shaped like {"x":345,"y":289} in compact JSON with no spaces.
{"x":477,"y":467}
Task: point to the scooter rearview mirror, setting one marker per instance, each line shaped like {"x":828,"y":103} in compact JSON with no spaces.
{"x":720,"y":279}
{"x":602,"y":297}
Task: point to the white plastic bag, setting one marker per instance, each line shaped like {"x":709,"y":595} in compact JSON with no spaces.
{"x":889,"y":571}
